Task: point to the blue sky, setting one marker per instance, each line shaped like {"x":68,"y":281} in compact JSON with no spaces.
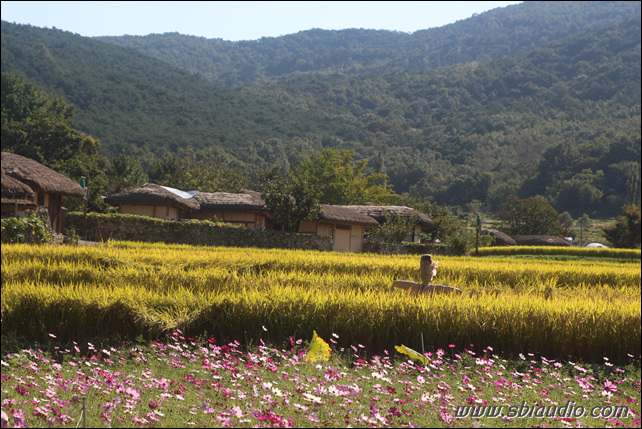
{"x":238,"y":20}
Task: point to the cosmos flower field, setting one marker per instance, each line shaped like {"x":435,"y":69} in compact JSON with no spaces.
{"x":183,"y":382}
{"x":143,"y":341}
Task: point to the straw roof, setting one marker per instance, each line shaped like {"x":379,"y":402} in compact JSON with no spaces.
{"x":379,"y":213}
{"x":501,"y":239}
{"x":243,"y":200}
{"x":539,"y":240}
{"x":38,"y":177}
{"x":151,"y":193}
{"x":341,"y":214}
{"x":14,"y":188}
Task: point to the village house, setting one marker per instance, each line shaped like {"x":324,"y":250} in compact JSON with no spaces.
{"x":242,"y":208}
{"x":346,"y":227}
{"x":48,"y":188}
{"x":383,"y":213}
{"x":155,"y":201}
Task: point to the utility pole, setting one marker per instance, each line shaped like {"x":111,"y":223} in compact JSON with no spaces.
{"x":477,"y":236}
{"x":84,"y":182}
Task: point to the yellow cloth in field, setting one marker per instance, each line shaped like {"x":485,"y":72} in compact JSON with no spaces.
{"x":412,"y":353}
{"x":318,"y":350}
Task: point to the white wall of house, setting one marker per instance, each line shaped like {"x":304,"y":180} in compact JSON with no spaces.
{"x":341,"y":238}
{"x":356,"y":238}
{"x":345,"y":238}
{"x":159,"y":211}
{"x":415,"y":237}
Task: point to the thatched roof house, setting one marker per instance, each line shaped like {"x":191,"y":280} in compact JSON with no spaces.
{"x":38,"y":177}
{"x":244,"y":207}
{"x":379,"y":213}
{"x":154,"y":201}
{"x":243,"y":200}
{"x":343,"y":225}
{"x":539,"y":240}
{"x":342,"y":215}
{"x":48,"y":185}
{"x":501,"y":239}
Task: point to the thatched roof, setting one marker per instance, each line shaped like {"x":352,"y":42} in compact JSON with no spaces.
{"x":151,"y":193}
{"x":341,"y":214}
{"x":243,"y":200}
{"x":379,"y":213}
{"x":14,"y":188}
{"x":501,"y":239}
{"x":539,"y":240}
{"x":38,"y":177}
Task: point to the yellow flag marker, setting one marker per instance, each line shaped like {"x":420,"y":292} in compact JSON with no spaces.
{"x":412,"y":353}
{"x":318,"y":350}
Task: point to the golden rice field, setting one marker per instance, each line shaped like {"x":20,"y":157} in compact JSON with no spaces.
{"x":580,"y":309}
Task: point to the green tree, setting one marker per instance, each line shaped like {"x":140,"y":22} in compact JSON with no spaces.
{"x":566,"y":221}
{"x":581,"y":192}
{"x":584,"y":223}
{"x":395,"y":229}
{"x":196,"y":171}
{"x":289,"y":201}
{"x":626,"y":231}
{"x":341,"y":180}
{"x":445,"y":223}
{"x":531,"y":216}
{"x":126,"y":173}
{"x":40,"y":126}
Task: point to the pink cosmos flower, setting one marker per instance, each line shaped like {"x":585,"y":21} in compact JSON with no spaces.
{"x":394,"y":411}
{"x":446,"y":417}
{"x":609,"y":389}
{"x":163,"y":384}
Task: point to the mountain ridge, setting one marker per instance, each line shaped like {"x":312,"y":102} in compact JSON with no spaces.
{"x":487,"y":36}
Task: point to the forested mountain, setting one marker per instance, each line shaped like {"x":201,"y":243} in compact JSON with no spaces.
{"x":537,"y":98}
{"x":132,"y":102}
{"x":458,"y":134}
{"x":481,"y":38}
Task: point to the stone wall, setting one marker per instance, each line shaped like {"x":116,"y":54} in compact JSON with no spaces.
{"x":194,"y":232}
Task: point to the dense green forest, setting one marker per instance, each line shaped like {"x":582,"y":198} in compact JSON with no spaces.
{"x":540,"y":98}
{"x":482,"y":38}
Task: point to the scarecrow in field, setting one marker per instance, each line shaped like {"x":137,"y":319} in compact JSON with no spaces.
{"x":428,"y":271}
